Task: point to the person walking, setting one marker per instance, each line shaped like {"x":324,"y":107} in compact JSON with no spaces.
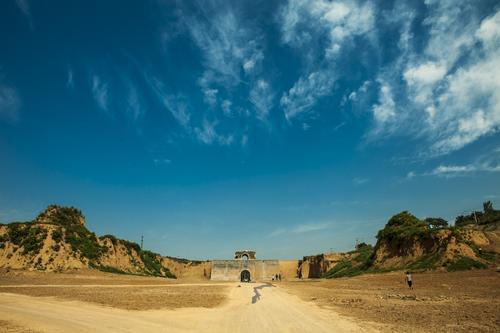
{"x":409,"y":280}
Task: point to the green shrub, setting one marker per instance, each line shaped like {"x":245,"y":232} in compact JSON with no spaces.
{"x":57,"y":235}
{"x":464,"y":263}
{"x":110,"y":269}
{"x":27,"y":236}
{"x":84,"y":242}
{"x":153,"y":265}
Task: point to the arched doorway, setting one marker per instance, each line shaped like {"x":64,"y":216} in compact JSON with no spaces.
{"x":245,"y":276}
{"x":244,"y":257}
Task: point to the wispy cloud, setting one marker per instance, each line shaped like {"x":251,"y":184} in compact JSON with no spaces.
{"x":449,"y":96}
{"x":70,"y":83}
{"x":162,"y":161}
{"x":233,"y":54}
{"x":486,"y":163}
{"x":301,"y":228}
{"x":10,"y":103}
{"x":24,"y":6}
{"x":207,"y":134}
{"x":309,"y":227}
{"x":360,"y":181}
{"x":134,"y":106}
{"x":100,"y":92}
{"x":323,"y":31}
{"x":177,"y":105}
{"x":261,"y":97}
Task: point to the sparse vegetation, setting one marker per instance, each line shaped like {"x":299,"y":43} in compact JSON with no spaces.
{"x":57,"y":235}
{"x":84,"y":242}
{"x":27,"y":236}
{"x":404,"y":233}
{"x":359,"y":264}
{"x":464,"y":263}
{"x":65,"y":216}
{"x":153,"y":266}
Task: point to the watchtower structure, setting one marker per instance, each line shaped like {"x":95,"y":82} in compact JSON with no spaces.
{"x":244,"y":254}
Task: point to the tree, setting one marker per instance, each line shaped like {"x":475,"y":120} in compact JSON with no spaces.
{"x":487,"y":207}
{"x":436,"y":222}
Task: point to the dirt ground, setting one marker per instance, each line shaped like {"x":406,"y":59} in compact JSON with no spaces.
{"x":466,"y":301}
{"x":101,"y":302}
{"x":248,"y":307}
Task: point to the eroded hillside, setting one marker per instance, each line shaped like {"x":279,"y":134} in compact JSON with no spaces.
{"x":58,"y":240}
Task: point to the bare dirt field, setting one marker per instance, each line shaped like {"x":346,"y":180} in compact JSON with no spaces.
{"x":99,"y":302}
{"x":466,"y":301}
{"x":119,"y":306}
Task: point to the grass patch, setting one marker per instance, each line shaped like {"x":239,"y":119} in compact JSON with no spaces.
{"x":109,"y":269}
{"x":465,"y":263}
{"x":426,"y":262}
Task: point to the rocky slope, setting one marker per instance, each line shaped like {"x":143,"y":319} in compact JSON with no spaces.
{"x":58,"y":240}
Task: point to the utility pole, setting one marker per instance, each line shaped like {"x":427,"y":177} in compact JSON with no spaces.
{"x":142,"y":241}
{"x":475,"y":217}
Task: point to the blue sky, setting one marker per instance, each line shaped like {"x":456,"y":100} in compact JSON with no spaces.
{"x":289,"y":127}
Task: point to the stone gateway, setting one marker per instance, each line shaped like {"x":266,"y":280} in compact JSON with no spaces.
{"x":245,"y":268}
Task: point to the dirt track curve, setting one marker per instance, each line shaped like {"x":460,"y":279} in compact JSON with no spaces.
{"x":250,"y":308}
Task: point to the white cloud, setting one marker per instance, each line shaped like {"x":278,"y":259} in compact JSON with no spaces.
{"x":453,"y":92}
{"x":232,"y":56}
{"x":100,"y":92}
{"x":261,"y":97}
{"x":385,"y":110}
{"x":10,"y":103}
{"x":489,"y":162}
{"x":210,"y":96}
{"x":134,"y":106}
{"x":208,"y":134}
{"x":305,"y":24}
{"x":226,"y":107}
{"x":306,"y":91}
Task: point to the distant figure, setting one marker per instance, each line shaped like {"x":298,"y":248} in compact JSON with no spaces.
{"x":279,"y":277}
{"x":409,"y":280}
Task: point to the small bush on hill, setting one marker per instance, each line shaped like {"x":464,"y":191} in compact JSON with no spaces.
{"x":57,"y":235}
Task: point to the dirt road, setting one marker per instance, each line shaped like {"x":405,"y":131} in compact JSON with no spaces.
{"x":250,"y":308}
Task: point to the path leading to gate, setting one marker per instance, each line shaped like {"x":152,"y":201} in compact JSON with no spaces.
{"x":253,"y":307}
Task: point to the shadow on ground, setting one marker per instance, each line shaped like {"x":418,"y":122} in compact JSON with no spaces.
{"x":256,"y":297}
